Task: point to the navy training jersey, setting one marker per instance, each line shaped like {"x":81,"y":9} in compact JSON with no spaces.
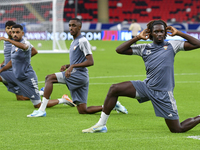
{"x":159,"y":63}
{"x":79,"y":48}
{"x":21,"y":61}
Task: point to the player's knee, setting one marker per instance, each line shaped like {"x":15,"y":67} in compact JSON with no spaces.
{"x":49,"y":78}
{"x":82,"y":111}
{"x":113,"y":89}
{"x":176,"y":130}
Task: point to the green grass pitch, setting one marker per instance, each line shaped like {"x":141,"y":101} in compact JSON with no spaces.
{"x":140,"y":129}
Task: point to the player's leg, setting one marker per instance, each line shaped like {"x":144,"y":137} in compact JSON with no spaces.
{"x":21,"y":98}
{"x":83,"y":109}
{"x":50,"y":103}
{"x":121,"y":89}
{"x":13,"y":88}
{"x":176,"y":127}
{"x":80,"y":96}
{"x":49,"y":81}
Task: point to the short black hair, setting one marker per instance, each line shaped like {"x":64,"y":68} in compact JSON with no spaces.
{"x":9,"y":23}
{"x":78,"y":20}
{"x":18,"y":26}
{"x":155,"y":22}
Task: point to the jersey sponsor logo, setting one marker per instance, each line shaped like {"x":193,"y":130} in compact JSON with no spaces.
{"x":75,"y":47}
{"x":165,"y":47}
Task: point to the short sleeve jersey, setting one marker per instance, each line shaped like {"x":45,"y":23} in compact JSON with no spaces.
{"x":7,"y":52}
{"x":79,"y":49}
{"x":159,"y":63}
{"x":21,"y":61}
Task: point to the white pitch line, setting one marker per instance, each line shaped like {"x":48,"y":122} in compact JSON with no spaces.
{"x":119,"y":82}
{"x":194,"y":137}
{"x":125,"y":76}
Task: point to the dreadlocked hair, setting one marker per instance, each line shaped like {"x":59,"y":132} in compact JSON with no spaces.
{"x":155,"y":22}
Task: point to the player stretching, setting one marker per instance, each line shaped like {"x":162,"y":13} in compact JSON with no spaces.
{"x":7,"y":56}
{"x":159,"y":85}
{"x":75,"y":77}
{"x":22,"y":74}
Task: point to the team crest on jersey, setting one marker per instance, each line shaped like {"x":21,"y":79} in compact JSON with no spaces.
{"x":165,"y":47}
{"x":148,"y":52}
{"x":75,"y":47}
{"x":16,"y":49}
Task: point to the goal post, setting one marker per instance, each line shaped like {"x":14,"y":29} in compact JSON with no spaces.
{"x":43,"y":22}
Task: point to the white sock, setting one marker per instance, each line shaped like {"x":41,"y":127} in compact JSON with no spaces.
{"x":41,"y":93}
{"x":43,"y":104}
{"x":103,"y":119}
{"x":61,"y":101}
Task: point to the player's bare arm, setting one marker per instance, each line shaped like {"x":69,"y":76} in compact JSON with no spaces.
{"x":33,"y":51}
{"x":17,"y":44}
{"x":190,"y":44}
{"x":1,"y":63}
{"x":89,"y":62}
{"x":6,"y":67}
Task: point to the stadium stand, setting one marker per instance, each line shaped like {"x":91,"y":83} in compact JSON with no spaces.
{"x":119,"y":10}
{"x":146,"y":10}
{"x":142,"y":10}
{"x":21,"y":12}
{"x":87,"y":10}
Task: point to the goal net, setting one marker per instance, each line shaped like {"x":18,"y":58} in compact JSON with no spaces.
{"x":42,"y":21}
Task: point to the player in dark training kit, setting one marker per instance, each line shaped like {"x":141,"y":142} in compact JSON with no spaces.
{"x":7,"y":57}
{"x":75,"y":77}
{"x":159,"y":85}
{"x":22,"y":74}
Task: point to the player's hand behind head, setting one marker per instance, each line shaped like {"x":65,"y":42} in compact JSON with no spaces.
{"x":144,"y":34}
{"x":171,"y":31}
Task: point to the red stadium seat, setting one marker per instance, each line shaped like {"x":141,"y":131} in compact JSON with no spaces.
{"x":137,"y":9}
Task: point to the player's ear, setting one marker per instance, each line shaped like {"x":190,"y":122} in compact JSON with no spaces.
{"x":80,"y":27}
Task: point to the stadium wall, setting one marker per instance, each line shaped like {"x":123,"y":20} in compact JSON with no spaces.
{"x":100,"y":31}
